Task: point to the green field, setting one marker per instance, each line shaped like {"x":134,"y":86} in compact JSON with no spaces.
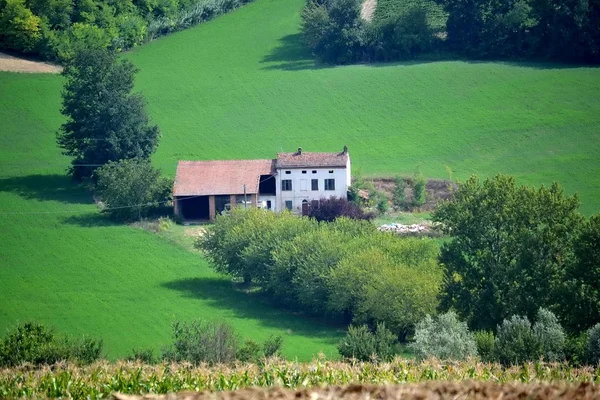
{"x":242,"y":86}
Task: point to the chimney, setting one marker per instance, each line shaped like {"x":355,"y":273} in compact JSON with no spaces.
{"x":299,"y":151}
{"x":345,"y":150}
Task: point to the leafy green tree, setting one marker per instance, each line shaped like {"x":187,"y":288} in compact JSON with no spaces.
{"x":515,"y":341}
{"x":550,"y":336}
{"x":20,"y":29}
{"x":510,"y":248}
{"x":443,"y":337}
{"x":582,"y":294}
{"x":362,"y":344}
{"x":129,"y":189}
{"x":105,"y":121}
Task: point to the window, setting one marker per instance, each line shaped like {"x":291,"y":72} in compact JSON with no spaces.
{"x":314,"y":183}
{"x":314,"y":171}
{"x":303,"y":172}
{"x":289,"y":205}
{"x":286,"y":185}
{"x":303,"y":186}
{"x":331,"y":171}
{"x":329,"y":184}
{"x":269,"y":204}
{"x":288,"y":172}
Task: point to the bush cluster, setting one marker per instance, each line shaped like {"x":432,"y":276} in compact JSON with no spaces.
{"x":516,"y":341}
{"x":563,"y":30}
{"x":214,"y":343}
{"x":344,"y":269}
{"x":362,"y":344}
{"x":56,"y":30}
{"x":33,"y":343}
{"x":334,"y":207}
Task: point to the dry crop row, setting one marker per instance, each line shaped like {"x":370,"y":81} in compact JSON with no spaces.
{"x":101,"y":379}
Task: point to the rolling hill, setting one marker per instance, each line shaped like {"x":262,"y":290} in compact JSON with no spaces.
{"x":242,"y":86}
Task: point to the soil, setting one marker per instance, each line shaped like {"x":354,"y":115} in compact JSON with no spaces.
{"x":368,"y":9}
{"x":16,"y":64}
{"x":426,"y":391}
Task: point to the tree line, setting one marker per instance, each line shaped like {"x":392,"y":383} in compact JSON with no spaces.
{"x":512,"y":251}
{"x":558,"y":30}
{"x":57,"y":29}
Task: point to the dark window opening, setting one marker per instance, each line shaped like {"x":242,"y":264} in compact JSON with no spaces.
{"x":329,"y":184}
{"x":314,"y":172}
{"x":267,"y":185}
{"x":331,"y":171}
{"x":288,"y":172}
{"x":289,"y":205}
{"x":303,"y":172}
{"x":286,"y":185}
{"x":314,"y":183}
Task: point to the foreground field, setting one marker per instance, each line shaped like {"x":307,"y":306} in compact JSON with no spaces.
{"x":102,"y":379}
{"x":242,"y":86}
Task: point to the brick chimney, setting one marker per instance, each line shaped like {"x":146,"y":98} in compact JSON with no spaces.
{"x":299,"y":151}
{"x":345,"y":150}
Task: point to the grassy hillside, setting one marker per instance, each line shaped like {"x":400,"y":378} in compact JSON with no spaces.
{"x":64,"y":265}
{"x":242,"y":86}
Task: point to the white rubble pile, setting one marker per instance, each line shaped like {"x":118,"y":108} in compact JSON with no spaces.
{"x":405,"y":229}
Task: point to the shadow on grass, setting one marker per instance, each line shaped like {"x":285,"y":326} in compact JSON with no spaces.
{"x":292,"y":55}
{"x":46,"y":188}
{"x":89,"y":220}
{"x":222,"y":294}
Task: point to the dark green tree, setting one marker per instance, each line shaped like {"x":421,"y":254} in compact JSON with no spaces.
{"x":510,"y":249}
{"x":582,"y":305}
{"x":105,"y":121}
{"x":131,"y":188}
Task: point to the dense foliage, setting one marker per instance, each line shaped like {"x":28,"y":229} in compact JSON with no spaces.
{"x":344,"y":268}
{"x":58,"y":29}
{"x":105,"y":121}
{"x":35,"y":344}
{"x":559,"y":30}
{"x":511,"y":247}
{"x":360,"y":343}
{"x":101,"y":379}
{"x":335,"y":207}
{"x":130,"y":189}
{"x":443,"y":337}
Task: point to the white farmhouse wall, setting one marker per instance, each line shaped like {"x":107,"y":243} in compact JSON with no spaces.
{"x":302,"y":185}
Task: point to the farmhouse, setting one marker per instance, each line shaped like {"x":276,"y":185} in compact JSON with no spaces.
{"x":293,"y":181}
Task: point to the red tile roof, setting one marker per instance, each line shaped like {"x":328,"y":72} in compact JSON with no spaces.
{"x":220,"y":177}
{"x":301,"y":159}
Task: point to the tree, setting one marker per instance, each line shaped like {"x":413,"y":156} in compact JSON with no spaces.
{"x":335,"y":207}
{"x":20,"y":29}
{"x":582,"y":294}
{"x":510,"y":248}
{"x":131,"y":188}
{"x":105,"y":121}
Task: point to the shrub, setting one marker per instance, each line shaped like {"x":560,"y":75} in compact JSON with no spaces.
{"x":36,"y":344}
{"x":362,"y":344}
{"x":485,"y":345}
{"x":201,"y":341}
{"x":249,"y":352}
{"x":399,"y":197}
{"x":131,"y":188}
{"x":550,"y":336}
{"x":335,"y":207}
{"x":272,"y":345}
{"x":443,"y":337}
{"x":593,"y":345}
{"x":576,"y":349}
{"x":515,"y":341}
{"x":419,"y":190}
{"x":145,"y":356}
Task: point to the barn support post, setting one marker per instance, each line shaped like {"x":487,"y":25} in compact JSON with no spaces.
{"x":232,"y":200}
{"x":212,"y":209}
{"x":176,"y":209}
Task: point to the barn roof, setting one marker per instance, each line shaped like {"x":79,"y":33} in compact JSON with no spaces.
{"x":220,"y":177}
{"x":301,"y":159}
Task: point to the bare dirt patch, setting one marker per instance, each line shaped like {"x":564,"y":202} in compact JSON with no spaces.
{"x":427,"y":391}
{"x":15,"y":64}
{"x":368,"y":9}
